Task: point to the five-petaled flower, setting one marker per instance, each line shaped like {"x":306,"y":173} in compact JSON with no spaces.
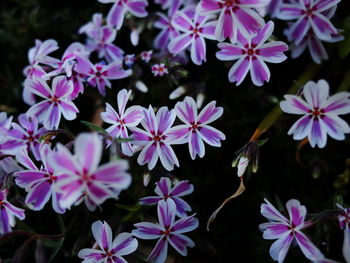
{"x":167,"y":231}
{"x":286,"y":230}
{"x":117,"y":13}
{"x":159,"y":70}
{"x":155,"y":139}
{"x":309,"y":15}
{"x":320,"y":113}
{"x":165,"y":191}
{"x":8,"y":212}
{"x":252,"y":53}
{"x":108,"y":250}
{"x":235,"y":16}
{"x":82,"y":178}
{"x":122,"y":120}
{"x":196,"y":128}
{"x":56,"y":101}
{"x":193,"y":32}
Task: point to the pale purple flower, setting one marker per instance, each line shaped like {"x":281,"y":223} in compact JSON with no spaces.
{"x":274,"y":7}
{"x":108,"y":250}
{"x":310,"y":14}
{"x":159,"y":70}
{"x":195,"y":129}
{"x":39,"y":183}
{"x":40,"y":53}
{"x":146,"y":55}
{"x":252,"y":53}
{"x":320,"y":113}
{"x":27,"y":133}
{"x":125,"y":118}
{"x":93,"y":28}
{"x":165,"y":191}
{"x":8,"y":212}
{"x":234,"y":16}
{"x":100,"y":74}
{"x":194,"y":31}
{"x":129,"y":59}
{"x":154,"y":139}
{"x":56,"y":101}
{"x":344,"y":223}
{"x":118,"y":11}
{"x":287,"y":230}
{"x":167,"y":231}
{"x":172,"y":5}
{"x":84,"y":179}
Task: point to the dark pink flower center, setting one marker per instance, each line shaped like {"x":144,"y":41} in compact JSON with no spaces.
{"x":317,"y":112}
{"x":166,"y":232}
{"x":251,"y":51}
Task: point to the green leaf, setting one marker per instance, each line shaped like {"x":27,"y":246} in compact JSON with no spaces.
{"x":56,"y":249}
{"x":132,"y":208}
{"x":94,"y":127}
{"x":262,"y":141}
{"x":122,"y":140}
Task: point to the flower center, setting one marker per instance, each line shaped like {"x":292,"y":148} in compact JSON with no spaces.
{"x":251,"y":51}
{"x":166,"y":232}
{"x":317,"y":112}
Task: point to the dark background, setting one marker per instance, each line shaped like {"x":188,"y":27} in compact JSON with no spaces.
{"x":234,"y":237}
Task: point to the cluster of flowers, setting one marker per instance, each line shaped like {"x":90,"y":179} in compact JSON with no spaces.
{"x":167,"y":231}
{"x":158,"y":133}
{"x":287,"y":230}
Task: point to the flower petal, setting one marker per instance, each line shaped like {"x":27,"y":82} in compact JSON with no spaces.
{"x":307,"y":247}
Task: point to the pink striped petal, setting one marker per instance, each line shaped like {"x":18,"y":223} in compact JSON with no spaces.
{"x":280,"y":247}
{"x":122,"y":99}
{"x":294,"y":105}
{"x":249,"y":21}
{"x":149,"y":121}
{"x":180,"y":243}
{"x":116,"y":15}
{"x":133,"y":116}
{"x":102,"y":233}
{"x":163,"y":186}
{"x":211,"y":135}
{"x":229,"y":52}
{"x":61,"y":87}
{"x":273,"y":52}
{"x":167,"y":156}
{"x":297,"y":212}
{"x":307,"y":247}
{"x":114,"y":174}
{"x":165,"y":119}
{"x":160,"y":251}
{"x":198,"y":50}
{"x":138,"y":7}
{"x":88,"y":150}
{"x":166,"y":213}
{"x":338,"y":104}
{"x":317,"y":135}
{"x":196,"y":145}
{"x":270,"y":212}
{"x":322,"y":27}
{"x":239,"y":70}
{"x":185,"y":224}
{"x":146,"y":230}
{"x":148,"y":155}
{"x":210,"y":113}
{"x":179,"y":43}
{"x":259,"y":72}
{"x":226,"y":27}
{"x":274,"y":230}
{"x":39,"y":195}
{"x":124,"y":244}
{"x":299,"y":30}
{"x":182,"y":188}
{"x":290,"y":12}
{"x":335,"y":126}
{"x":301,"y":128}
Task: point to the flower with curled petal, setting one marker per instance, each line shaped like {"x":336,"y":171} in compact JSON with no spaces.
{"x":154,"y":139}
{"x":108,"y":250}
{"x":118,"y":11}
{"x":344,"y":223}
{"x":125,"y":118}
{"x":8,"y":212}
{"x":286,"y":230}
{"x":83,"y":178}
{"x":56,"y":101}
{"x":165,"y":191}
{"x":196,"y":128}
{"x":252,"y":53}
{"x":167,"y":231}
{"x":320,"y":113}
{"x":234,"y":16}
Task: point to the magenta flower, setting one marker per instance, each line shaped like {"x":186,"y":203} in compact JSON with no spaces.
{"x":27,"y":133}
{"x":165,"y":191}
{"x":194,"y":31}
{"x":125,"y":118}
{"x":252,"y":55}
{"x":117,"y":13}
{"x":40,"y":53}
{"x":286,"y":230}
{"x":99,"y":74}
{"x":154,"y":139}
{"x":309,"y":15}
{"x":108,"y":250}
{"x":196,"y":128}
{"x":344,"y":223}
{"x":83,"y":178}
{"x":320,"y":113}
{"x":167,"y":231}
{"x":129,"y":60}
{"x":56,"y":101}
{"x":146,"y":55}
{"x":39,"y":183}
{"x":235,"y":16}
{"x":8,"y":212}
{"x":159,"y":70}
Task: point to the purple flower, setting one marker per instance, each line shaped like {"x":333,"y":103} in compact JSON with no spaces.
{"x":286,"y":230}
{"x":309,"y":15}
{"x":27,"y":133}
{"x":56,"y":101}
{"x":235,"y":16}
{"x":40,"y":53}
{"x":194,"y":31}
{"x":8,"y":212}
{"x":154,"y":139}
{"x":83,"y":178}
{"x":122,"y":120}
{"x":39,"y":183}
{"x":108,"y":250}
{"x":159,"y":70}
{"x":146,"y":55}
{"x":252,"y":53}
{"x":99,"y":74}
{"x":344,"y":223}
{"x":117,"y":13}
{"x":129,"y":60}
{"x":167,"y":231}
{"x":320,"y":113}
{"x":165,"y":191}
{"x":93,"y":28}
{"x":196,"y":128}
